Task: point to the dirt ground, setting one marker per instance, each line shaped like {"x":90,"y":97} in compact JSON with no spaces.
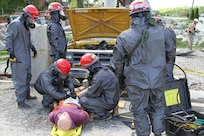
{"x":34,"y":122}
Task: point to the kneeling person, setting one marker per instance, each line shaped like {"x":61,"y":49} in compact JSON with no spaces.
{"x":54,"y":83}
{"x":103,"y":94}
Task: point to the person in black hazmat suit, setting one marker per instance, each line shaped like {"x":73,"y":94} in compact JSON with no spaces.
{"x":55,"y":32}
{"x":55,"y":84}
{"x":18,"y":44}
{"x":144,"y":67}
{"x":103,"y":94}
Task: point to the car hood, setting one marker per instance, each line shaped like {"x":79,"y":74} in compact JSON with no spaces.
{"x":97,"y":22}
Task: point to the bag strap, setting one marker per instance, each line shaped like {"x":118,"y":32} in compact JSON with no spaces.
{"x":143,"y":38}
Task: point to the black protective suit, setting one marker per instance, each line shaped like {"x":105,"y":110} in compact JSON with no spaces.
{"x":103,"y":94}
{"x":146,"y":74}
{"x":56,"y":36}
{"x":18,"y":44}
{"x":52,"y":87}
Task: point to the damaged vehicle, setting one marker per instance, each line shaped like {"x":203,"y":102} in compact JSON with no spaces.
{"x":95,"y":30}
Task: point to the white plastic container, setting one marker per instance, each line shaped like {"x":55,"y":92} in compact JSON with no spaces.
{"x":43,"y":60}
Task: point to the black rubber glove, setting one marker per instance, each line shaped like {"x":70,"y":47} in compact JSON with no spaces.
{"x":73,"y":95}
{"x":12,"y":58}
{"x":67,"y":96}
{"x":34,"y":53}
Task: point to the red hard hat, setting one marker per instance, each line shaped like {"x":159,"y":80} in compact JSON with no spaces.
{"x":139,"y":6}
{"x":63,"y":66}
{"x":54,"y":6}
{"x":88,"y":59}
{"x":32,"y":11}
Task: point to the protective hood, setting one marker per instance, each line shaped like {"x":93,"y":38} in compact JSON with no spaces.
{"x":28,"y":22}
{"x":55,"y":16}
{"x":94,"y":68}
{"x":140,"y":19}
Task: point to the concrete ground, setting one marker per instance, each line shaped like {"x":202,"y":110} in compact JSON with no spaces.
{"x":34,"y":122}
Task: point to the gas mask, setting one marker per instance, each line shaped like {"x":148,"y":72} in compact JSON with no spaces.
{"x":30,"y":23}
{"x":62,"y":15}
{"x":63,"y":77}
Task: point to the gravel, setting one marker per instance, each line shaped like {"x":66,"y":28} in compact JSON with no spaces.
{"x":34,"y":122}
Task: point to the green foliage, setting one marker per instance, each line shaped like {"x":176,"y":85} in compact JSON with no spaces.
{"x":80,"y":3}
{"x":69,"y":38}
{"x":192,"y":14}
{"x":180,"y":11}
{"x":181,"y":44}
{"x":10,"y":6}
{"x":14,"y":6}
{"x":73,"y":4}
{"x":188,"y":15}
{"x":4,"y":55}
{"x":196,"y":13}
{"x":200,"y":46}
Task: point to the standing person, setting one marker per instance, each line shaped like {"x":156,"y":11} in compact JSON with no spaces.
{"x":54,"y":82}
{"x":18,"y":44}
{"x":103,"y":94}
{"x":141,"y":55}
{"x":55,"y":32}
{"x":191,"y":32}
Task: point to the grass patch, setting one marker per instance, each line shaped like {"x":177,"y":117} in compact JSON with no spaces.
{"x":200,"y":46}
{"x":181,"y":44}
{"x":2,"y":53}
{"x":69,"y":38}
{"x":3,"y":56}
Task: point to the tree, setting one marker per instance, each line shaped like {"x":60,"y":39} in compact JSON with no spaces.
{"x":192,"y":14}
{"x":191,"y":11}
{"x":7,"y":6}
{"x":196,"y":15}
{"x":13,"y":6}
{"x":80,"y":3}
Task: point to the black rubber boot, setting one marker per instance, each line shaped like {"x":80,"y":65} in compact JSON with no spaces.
{"x":105,"y":117}
{"x":31,"y":97}
{"x":22,"y":105}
